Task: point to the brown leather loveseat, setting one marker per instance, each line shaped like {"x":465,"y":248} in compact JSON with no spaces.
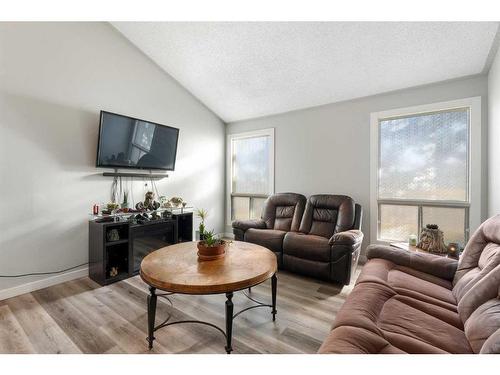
{"x":407,"y":302}
{"x":319,"y":237}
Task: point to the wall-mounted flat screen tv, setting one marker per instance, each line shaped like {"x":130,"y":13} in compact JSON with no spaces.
{"x":127,"y":142}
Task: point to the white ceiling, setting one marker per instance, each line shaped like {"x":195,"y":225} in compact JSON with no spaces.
{"x":243,"y":70}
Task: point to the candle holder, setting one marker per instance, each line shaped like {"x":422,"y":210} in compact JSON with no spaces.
{"x":453,"y":249}
{"x":412,"y":240}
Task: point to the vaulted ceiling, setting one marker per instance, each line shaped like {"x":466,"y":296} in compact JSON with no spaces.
{"x":243,"y":70}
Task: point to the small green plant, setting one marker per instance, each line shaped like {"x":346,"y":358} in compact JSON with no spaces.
{"x":112,"y":206}
{"x":202,"y":214}
{"x":125,"y":200}
{"x":211,"y":239}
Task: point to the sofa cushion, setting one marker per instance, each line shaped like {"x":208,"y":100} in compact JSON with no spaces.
{"x":363,"y":307}
{"x":442,"y":312}
{"x":486,"y":262}
{"x":354,"y":340}
{"x":283,"y":217}
{"x":480,"y":309}
{"x":481,"y":255}
{"x":409,"y":282}
{"x":312,"y":268}
{"x":486,"y":289}
{"x":492,"y":345}
{"x":307,"y":246}
{"x":283,"y":211}
{"x":406,"y":324}
{"x":482,"y":324}
{"x":269,"y":238}
{"x":326,"y":214}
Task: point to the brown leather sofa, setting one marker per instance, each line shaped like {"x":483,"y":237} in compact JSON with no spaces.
{"x":407,"y":302}
{"x":319,"y":237}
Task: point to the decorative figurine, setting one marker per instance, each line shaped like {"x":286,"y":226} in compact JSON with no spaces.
{"x":113,"y":272}
{"x":113,"y":235}
{"x":176,"y":201}
{"x":149,"y":199}
{"x":432,"y":240}
{"x":149,"y":202}
{"x":163,"y":201}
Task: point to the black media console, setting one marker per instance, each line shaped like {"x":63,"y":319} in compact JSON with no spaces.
{"x":117,"y":248}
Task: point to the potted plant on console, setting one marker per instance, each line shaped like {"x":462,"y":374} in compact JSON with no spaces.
{"x":125,"y":201}
{"x":211,"y":247}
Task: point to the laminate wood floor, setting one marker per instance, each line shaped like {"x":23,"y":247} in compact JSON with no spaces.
{"x":82,"y":317}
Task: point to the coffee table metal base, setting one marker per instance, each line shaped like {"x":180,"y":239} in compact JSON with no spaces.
{"x":229,"y":316}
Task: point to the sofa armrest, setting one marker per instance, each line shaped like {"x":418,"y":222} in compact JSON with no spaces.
{"x":349,"y":237}
{"x":244,"y":225}
{"x":344,"y":255}
{"x":436,"y":265}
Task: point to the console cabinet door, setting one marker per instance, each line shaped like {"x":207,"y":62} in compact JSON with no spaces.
{"x":150,"y":237}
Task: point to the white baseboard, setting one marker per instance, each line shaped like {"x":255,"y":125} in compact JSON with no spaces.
{"x":229,"y":235}
{"x":43,"y":283}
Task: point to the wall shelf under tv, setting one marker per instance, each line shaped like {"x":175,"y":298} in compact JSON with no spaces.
{"x":136,"y":175}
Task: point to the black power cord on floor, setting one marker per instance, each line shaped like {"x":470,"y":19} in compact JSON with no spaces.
{"x":43,"y":273}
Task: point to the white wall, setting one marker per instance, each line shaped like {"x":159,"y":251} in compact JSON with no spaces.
{"x":494,"y":137}
{"x":54,"y":80}
{"x":327,"y":149}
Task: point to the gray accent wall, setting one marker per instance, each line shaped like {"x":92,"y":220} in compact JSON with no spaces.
{"x":326,"y":149}
{"x":54,"y":80}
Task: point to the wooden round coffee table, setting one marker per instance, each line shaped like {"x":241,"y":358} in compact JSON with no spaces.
{"x":176,"y":269}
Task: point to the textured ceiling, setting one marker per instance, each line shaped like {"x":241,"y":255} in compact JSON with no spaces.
{"x":243,"y":70}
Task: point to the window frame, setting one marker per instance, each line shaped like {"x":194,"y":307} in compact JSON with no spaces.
{"x":472,"y":204}
{"x":229,"y":168}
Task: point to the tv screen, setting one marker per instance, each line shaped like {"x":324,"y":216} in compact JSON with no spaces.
{"x":126,"y":142}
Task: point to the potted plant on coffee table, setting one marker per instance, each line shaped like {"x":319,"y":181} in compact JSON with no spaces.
{"x":202,"y":214}
{"x":211,"y":247}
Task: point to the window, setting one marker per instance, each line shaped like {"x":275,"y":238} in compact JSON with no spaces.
{"x":250,"y":173}
{"x":422,"y":170}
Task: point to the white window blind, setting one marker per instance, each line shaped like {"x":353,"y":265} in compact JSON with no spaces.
{"x":251,"y":165}
{"x":423,"y":175}
{"x":425,"y":156}
{"x":251,"y":173}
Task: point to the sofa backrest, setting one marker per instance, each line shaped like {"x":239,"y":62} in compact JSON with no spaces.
{"x":480,"y":310}
{"x":481,"y":256}
{"x":476,"y":287}
{"x":326,"y":215}
{"x":283,"y":211}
